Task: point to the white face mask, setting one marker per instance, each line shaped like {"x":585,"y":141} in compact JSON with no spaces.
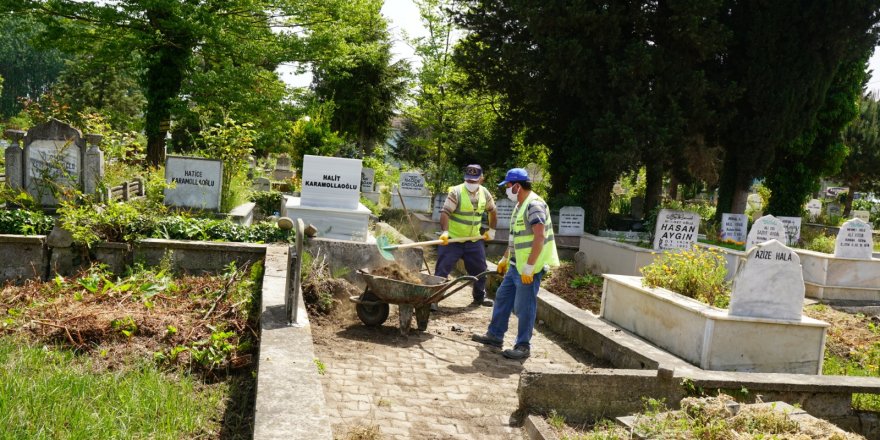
{"x":471,"y":186}
{"x":510,"y":194}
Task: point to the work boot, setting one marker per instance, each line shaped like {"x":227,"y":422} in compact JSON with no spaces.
{"x":483,"y":302}
{"x":487,"y":339}
{"x":518,"y":352}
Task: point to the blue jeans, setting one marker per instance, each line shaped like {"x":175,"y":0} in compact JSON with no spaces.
{"x":474,"y":255}
{"x":514,"y":296}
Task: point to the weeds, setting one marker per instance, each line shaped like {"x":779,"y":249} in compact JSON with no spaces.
{"x":696,"y":273}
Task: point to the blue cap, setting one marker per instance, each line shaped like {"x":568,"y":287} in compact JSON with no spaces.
{"x":515,"y":175}
{"x":473,"y":172}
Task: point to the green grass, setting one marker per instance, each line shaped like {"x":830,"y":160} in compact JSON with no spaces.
{"x":53,"y":394}
{"x":864,"y":363}
{"x":736,"y":247}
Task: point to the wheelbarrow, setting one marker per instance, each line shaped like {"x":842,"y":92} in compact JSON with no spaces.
{"x":372,"y":306}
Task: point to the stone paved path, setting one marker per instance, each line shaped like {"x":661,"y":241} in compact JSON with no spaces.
{"x":433,"y":385}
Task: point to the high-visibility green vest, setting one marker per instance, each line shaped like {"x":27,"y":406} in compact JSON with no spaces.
{"x":465,"y":221}
{"x":523,"y":236}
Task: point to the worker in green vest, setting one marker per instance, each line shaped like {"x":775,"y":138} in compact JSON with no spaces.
{"x":460,"y":217}
{"x":530,"y":254}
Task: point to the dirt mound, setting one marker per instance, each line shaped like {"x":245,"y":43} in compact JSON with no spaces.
{"x":397,"y":272}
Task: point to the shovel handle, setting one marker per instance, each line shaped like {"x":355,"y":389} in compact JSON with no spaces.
{"x":432,"y":242}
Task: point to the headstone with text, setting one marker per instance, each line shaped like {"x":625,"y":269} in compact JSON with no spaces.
{"x":571,"y":221}
{"x":792,"y":229}
{"x":764,"y":229}
{"x":504,"y":209}
{"x":854,"y":240}
{"x":330,"y":198}
{"x":53,"y":160}
{"x":734,"y":227}
{"x":367,"y":180}
{"x":414,"y":191}
{"x":439,"y":200}
{"x":676,"y":230}
{"x":814,"y":208}
{"x":331,"y":182}
{"x":195,"y":182}
{"x":770,"y":284}
{"x":862,"y":215}
{"x":756,"y":203}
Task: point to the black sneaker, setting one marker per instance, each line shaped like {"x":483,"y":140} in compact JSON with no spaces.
{"x":487,"y":339}
{"x":483,"y":302}
{"x":518,"y":352}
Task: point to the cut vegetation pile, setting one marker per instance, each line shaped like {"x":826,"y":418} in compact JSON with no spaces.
{"x":397,"y":272}
{"x":583,"y":291}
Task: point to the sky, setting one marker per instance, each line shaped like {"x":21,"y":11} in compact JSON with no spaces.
{"x":403,"y":16}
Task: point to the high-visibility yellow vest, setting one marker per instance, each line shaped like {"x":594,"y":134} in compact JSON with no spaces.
{"x":523,"y":236}
{"x":465,"y":221}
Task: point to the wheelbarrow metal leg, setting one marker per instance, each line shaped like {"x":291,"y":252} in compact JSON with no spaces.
{"x":406,"y":313}
{"x":423,"y":313}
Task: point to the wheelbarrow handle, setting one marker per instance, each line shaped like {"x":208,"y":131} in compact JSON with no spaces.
{"x":448,"y":291}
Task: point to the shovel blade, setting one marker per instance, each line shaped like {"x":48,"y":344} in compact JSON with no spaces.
{"x":382,"y":244}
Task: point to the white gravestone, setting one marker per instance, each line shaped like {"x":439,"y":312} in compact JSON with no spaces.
{"x":571,"y":221}
{"x":412,"y":184}
{"x":756,"y":203}
{"x":764,"y":229}
{"x":439,"y":200}
{"x":770,"y":284}
{"x":282,"y":169}
{"x":197,"y":182}
{"x":368,"y":179}
{"x":862,"y":215}
{"x":331,"y":182}
{"x":854,"y":240}
{"x":792,"y":229}
{"x":814,"y":208}
{"x":504,"y":209}
{"x":676,"y":230}
{"x":734,"y":227}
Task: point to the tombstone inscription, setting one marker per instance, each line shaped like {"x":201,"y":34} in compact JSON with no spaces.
{"x":854,"y":240}
{"x":862,"y":215}
{"x":571,"y":220}
{"x":504,"y":209}
{"x":814,"y":208}
{"x":765,"y":228}
{"x":770,"y":284}
{"x":412,"y":184}
{"x":676,"y":229}
{"x":734,"y":227}
{"x":367,"y":179}
{"x":792,"y":229}
{"x":331,"y":182}
{"x":195,"y":182}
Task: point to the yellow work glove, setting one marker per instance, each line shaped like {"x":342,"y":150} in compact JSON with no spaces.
{"x":445,"y":238}
{"x":502,"y":266}
{"x":528,"y":274}
{"x":489,"y":235}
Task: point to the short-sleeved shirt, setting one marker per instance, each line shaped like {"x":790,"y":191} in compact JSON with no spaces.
{"x":537,"y":212}
{"x":451,"y":202}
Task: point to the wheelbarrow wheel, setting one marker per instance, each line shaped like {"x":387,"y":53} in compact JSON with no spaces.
{"x":372,"y":315}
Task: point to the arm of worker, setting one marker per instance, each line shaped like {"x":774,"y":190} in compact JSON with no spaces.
{"x":528,"y":274}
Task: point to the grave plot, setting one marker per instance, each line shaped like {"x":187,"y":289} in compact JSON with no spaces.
{"x":149,"y":355}
{"x":850,"y":273}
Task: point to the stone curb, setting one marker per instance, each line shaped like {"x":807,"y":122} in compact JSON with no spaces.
{"x":538,"y":429}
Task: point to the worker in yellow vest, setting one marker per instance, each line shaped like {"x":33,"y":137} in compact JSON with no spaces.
{"x":530,"y":254}
{"x":462,"y":216}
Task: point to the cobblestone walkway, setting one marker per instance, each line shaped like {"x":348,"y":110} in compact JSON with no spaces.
{"x":432,"y":385}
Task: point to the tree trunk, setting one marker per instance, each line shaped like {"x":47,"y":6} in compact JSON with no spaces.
{"x":673,"y":187}
{"x":733,"y":190}
{"x":848,"y":202}
{"x":654,"y":184}
{"x":598,"y":202}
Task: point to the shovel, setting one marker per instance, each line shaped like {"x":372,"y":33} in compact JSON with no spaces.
{"x":384,"y":247}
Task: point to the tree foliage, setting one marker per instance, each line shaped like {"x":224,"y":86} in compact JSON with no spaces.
{"x":784,"y":55}
{"x":29,"y":70}
{"x":361,"y":78}
{"x":861,"y":169}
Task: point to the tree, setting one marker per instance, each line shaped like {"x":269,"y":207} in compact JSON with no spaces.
{"x":361,"y":78}
{"x":29,"y":70}
{"x":603,"y":85}
{"x":168,"y":36}
{"x":861,"y":169}
{"x":784,"y":56}
{"x":819,"y":151}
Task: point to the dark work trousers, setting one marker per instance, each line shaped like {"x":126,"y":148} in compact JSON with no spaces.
{"x":474,"y":255}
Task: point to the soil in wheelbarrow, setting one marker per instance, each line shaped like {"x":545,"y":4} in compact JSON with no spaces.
{"x":397,"y":272}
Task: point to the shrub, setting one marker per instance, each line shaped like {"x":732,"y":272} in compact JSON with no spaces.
{"x":696,"y":273}
{"x":20,"y":221}
{"x":268,"y":202}
{"x":821,"y":243}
